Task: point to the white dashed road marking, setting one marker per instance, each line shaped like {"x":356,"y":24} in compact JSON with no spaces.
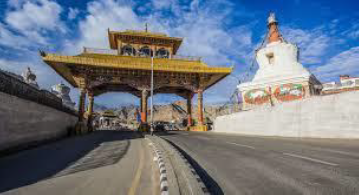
{"x":340,"y":152}
{"x":205,"y":138}
{"x":242,"y":145}
{"x":310,"y":159}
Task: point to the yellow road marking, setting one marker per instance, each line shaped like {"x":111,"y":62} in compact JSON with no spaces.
{"x":136,"y":180}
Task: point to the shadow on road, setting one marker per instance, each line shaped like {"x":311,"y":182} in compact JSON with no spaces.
{"x":100,"y":148}
{"x":210,"y":183}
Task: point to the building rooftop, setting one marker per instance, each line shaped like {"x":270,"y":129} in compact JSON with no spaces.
{"x":144,"y":37}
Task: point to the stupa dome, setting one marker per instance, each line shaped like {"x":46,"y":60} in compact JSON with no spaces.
{"x":62,"y":91}
{"x":61,"y":88}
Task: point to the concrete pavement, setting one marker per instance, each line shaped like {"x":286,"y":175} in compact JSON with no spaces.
{"x":271,"y":165}
{"x":104,"y":162}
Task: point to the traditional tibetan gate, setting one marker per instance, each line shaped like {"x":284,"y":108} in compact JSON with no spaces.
{"x":127,"y":68}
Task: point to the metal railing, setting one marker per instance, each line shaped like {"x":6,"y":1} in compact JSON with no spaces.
{"x":14,"y":86}
{"x":89,"y":50}
{"x":145,"y":33}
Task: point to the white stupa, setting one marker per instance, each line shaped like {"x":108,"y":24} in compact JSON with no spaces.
{"x":62,"y":91}
{"x":280,"y":76}
{"x":30,"y":78}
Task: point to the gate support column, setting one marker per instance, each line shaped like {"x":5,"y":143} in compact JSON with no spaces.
{"x":200,"y":107}
{"x":80,"y":122}
{"x":144,"y":106}
{"x":90,"y":111}
{"x":189,"y":109}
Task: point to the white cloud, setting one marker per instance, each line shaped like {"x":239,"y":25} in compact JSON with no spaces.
{"x":169,"y":5}
{"x":353,"y":32}
{"x":163,"y":4}
{"x":200,"y":26}
{"x":43,"y":14}
{"x":203,"y":33}
{"x":73,"y":12}
{"x":206,"y":39}
{"x":101,"y":16}
{"x":16,"y":3}
{"x":346,"y":62}
{"x":9,"y":39}
{"x":25,"y":28}
{"x":46,"y":77}
{"x":32,"y":19}
{"x":312,"y":43}
{"x":13,"y":66}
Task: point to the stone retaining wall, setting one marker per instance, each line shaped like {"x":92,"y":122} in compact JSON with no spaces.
{"x":23,"y":122}
{"x":333,"y":116}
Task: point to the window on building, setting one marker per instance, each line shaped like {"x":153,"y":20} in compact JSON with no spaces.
{"x":270,"y":57}
{"x":145,"y":51}
{"x":347,"y":83}
{"x":162,"y":53}
{"x":128,"y":50}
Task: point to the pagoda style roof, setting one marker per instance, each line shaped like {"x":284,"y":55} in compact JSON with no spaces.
{"x":143,"y":37}
{"x":65,"y":65}
{"x":127,"y":66}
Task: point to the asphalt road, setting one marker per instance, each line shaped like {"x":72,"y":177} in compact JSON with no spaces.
{"x":268,"y":165}
{"x":103,"y":162}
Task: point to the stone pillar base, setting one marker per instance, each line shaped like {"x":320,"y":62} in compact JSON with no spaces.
{"x":144,"y":127}
{"x":80,"y":128}
{"x":198,"y":128}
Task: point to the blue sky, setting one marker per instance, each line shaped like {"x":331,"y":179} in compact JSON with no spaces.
{"x":223,"y":32}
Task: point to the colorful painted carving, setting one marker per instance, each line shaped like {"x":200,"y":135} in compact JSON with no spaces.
{"x":289,"y":92}
{"x":256,"y":96}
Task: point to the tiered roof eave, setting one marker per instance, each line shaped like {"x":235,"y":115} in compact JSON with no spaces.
{"x":60,"y":64}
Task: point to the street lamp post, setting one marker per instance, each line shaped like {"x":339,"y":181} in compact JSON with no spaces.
{"x":151,"y":95}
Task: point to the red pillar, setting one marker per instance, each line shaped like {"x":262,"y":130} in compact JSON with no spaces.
{"x":144,"y":106}
{"x":200,"y":107}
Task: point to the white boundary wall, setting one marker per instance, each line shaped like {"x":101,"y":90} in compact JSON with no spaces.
{"x":333,"y":116}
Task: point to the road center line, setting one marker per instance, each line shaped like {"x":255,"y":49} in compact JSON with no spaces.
{"x":310,"y":159}
{"x":242,"y":145}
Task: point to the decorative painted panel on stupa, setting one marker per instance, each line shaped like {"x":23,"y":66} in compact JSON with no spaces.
{"x":256,"y":96}
{"x":280,"y":77}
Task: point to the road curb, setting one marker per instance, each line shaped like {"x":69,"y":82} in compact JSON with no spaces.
{"x":177,"y":176}
{"x":162,"y":169}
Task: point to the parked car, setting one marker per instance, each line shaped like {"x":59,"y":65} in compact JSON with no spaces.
{"x":160,"y":126}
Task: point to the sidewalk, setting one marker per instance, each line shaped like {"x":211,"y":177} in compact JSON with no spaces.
{"x":105,"y":162}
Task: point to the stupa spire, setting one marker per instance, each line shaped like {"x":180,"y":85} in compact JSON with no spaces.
{"x":274,"y":34}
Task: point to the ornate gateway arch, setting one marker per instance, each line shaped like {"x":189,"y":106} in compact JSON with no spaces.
{"x":126,"y":67}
